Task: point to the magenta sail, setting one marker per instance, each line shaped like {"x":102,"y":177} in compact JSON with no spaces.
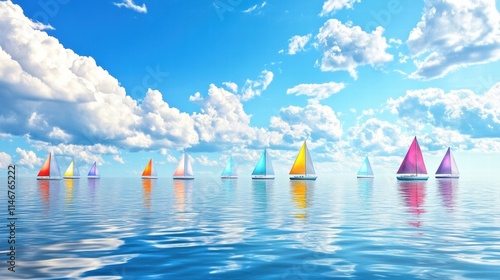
{"x":413,"y":166}
{"x":448,"y":167}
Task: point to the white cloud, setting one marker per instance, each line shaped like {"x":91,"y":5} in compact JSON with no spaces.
{"x":255,"y":88}
{"x":129,"y":4}
{"x":28,"y":158}
{"x":347,"y":47}
{"x":477,"y":115}
{"x":231,"y":86}
{"x":377,"y":137}
{"x":255,"y":7}
{"x":118,"y":159}
{"x":454,"y":34}
{"x":298,"y":43}
{"x":331,"y":6}
{"x":203,"y":160}
{"x":315,"y":121}
{"x":5,"y":160}
{"x":316,"y":91}
{"x":52,"y":94}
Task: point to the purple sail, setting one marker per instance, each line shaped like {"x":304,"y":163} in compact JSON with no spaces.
{"x":448,"y":164}
{"x":413,"y":162}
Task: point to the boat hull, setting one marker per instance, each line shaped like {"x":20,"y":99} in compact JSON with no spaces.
{"x":93,"y":177}
{"x":71,"y":177}
{"x":303,"y":177}
{"x":447,"y":176}
{"x":263,"y":177}
{"x":149,"y":177}
{"x":48,"y":178}
{"x":412,"y":177}
{"x":229,"y":177}
{"x":183,"y":177}
{"x":365,"y":176}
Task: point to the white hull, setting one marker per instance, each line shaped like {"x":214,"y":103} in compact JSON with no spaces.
{"x":149,"y":177}
{"x":447,"y":176}
{"x":93,"y":177}
{"x":303,"y":177}
{"x":264,"y":177}
{"x":365,"y":176}
{"x":71,"y":177}
{"x":183,"y":177}
{"x":229,"y":177}
{"x":412,"y":177}
{"x":48,"y":178}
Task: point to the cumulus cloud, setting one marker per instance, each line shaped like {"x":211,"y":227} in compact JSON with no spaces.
{"x":477,"y":115}
{"x":345,"y":47}
{"x":331,"y":6}
{"x":129,"y":4}
{"x":298,"y":43}
{"x":316,"y":91}
{"x":454,"y":34}
{"x":377,"y":137}
{"x":253,"y":88}
{"x":118,"y":159}
{"x":54,"y":95}
{"x":28,"y":158}
{"x":5,"y":160}
{"x":315,"y":121}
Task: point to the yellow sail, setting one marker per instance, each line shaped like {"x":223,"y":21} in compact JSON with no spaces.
{"x":299,"y":166}
{"x":70,"y":170}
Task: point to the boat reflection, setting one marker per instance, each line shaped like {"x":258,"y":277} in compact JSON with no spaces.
{"x":365,"y":186}
{"x":299,"y":190}
{"x":413,"y":195}
{"x":447,"y":189}
{"x":48,"y":191}
{"x":147,"y":186}
{"x":182,"y":192}
{"x":261,"y":190}
{"x":93,"y":187}
{"x":68,"y":184}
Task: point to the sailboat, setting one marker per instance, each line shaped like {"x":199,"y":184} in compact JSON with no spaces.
{"x":229,"y":171}
{"x":94,"y":172}
{"x":149,"y":171}
{"x":264,"y":167}
{"x":413,"y":166}
{"x":50,"y":169}
{"x":365,"y":171}
{"x":448,"y":167}
{"x":72,"y":172}
{"x":184,"y":171}
{"x":303,"y":168}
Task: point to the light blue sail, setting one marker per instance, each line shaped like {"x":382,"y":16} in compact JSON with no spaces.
{"x":260,"y":167}
{"x":230,"y":169}
{"x":366,"y":169}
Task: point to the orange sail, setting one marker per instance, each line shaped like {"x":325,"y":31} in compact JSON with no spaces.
{"x":45,"y":170}
{"x":149,"y":170}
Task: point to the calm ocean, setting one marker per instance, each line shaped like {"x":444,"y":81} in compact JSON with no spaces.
{"x":128,"y":228}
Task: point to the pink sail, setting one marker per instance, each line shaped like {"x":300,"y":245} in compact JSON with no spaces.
{"x":413,"y":162}
{"x":448,"y":165}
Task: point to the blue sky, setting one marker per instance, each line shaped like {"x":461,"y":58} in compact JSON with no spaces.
{"x":121,"y":81}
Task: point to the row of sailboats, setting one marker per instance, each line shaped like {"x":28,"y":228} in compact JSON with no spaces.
{"x":50,"y":170}
{"x":412,"y":167}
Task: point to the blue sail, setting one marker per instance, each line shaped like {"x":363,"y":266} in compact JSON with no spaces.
{"x":366,"y":168}
{"x":229,"y":170}
{"x":260,"y":168}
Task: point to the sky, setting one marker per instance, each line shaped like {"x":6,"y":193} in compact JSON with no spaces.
{"x":122,"y":81}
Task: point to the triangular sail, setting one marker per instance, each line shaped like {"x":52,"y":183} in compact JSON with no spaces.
{"x":179,"y":171}
{"x":93,"y":170}
{"x":269,"y":166}
{"x":413,"y":162}
{"x":54,"y":168}
{"x":70,"y":170}
{"x":366,"y":168}
{"x":188,"y":169}
{"x":448,"y":164}
{"x":45,"y":170}
{"x":230,"y":169}
{"x":149,"y":169}
{"x":303,"y":162}
{"x":260,"y":167}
